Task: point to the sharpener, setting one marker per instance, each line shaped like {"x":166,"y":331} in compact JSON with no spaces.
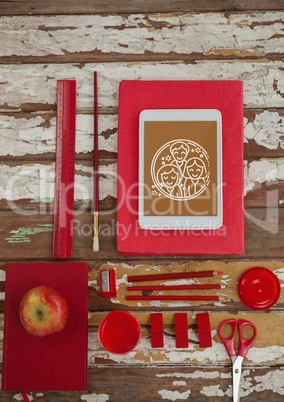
{"x":108,"y":283}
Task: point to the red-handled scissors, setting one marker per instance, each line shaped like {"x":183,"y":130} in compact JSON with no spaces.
{"x":237,"y":357}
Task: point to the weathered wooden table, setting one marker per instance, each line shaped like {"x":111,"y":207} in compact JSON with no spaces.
{"x":42,"y":41}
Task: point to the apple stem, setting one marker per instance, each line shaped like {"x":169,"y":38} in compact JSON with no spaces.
{"x":39,"y":314}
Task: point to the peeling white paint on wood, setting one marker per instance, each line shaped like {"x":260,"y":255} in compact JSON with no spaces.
{"x":20,"y":136}
{"x":269,"y":381}
{"x":2,"y":275}
{"x":214,"y":390}
{"x":27,"y":182}
{"x":249,"y":384}
{"x":179,"y":383}
{"x":174,"y":395}
{"x":198,"y":374}
{"x":193,"y":354}
{"x":266,"y":130}
{"x":122,"y":280}
{"x":36,"y":83}
{"x":280,"y":275}
{"x":234,"y":34}
{"x":36,"y":136}
{"x":124,"y":265}
{"x":95,"y":398}
{"x":19,"y":397}
{"x":84,"y":181}
{"x":267,"y":354}
{"x":35,"y":182}
{"x":264,"y":170}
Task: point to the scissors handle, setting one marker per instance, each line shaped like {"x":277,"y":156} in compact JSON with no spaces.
{"x":245,"y":344}
{"x":229,"y":343}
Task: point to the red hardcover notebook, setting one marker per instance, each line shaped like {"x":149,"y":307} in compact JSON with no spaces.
{"x":55,"y":362}
{"x":136,"y":96}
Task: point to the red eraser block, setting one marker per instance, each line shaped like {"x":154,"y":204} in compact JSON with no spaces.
{"x":157,"y":330}
{"x":181,"y":330}
{"x":204,"y":330}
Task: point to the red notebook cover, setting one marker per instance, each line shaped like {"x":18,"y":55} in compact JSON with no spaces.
{"x":55,"y":362}
{"x":225,"y":96}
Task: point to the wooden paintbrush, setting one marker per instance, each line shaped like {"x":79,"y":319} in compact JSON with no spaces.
{"x":96,"y":168}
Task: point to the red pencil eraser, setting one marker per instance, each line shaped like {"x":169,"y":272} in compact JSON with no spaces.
{"x":157,"y":331}
{"x":204,"y":330}
{"x":181,"y":330}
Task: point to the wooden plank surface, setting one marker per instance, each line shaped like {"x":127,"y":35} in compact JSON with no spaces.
{"x":173,"y":384}
{"x":28,"y":234}
{"x":33,"y":87}
{"x":41,"y":42}
{"x":29,"y":135}
{"x":28,"y":7}
{"x":31,"y":185}
{"x":142,"y":37}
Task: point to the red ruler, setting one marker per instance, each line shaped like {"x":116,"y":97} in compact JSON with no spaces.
{"x":64,"y":169}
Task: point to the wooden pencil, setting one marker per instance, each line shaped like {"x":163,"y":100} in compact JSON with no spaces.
{"x":176,"y":298}
{"x":178,"y":275}
{"x":96,"y":168}
{"x":172,"y":287}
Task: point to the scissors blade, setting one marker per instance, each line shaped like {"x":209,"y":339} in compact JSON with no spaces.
{"x":237,"y":372}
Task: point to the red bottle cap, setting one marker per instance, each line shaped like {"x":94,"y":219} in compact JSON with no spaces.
{"x":119,"y":332}
{"x":258,"y":288}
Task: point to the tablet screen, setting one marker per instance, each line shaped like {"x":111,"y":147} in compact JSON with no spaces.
{"x":180,"y":163}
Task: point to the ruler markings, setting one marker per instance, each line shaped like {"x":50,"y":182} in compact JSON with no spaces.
{"x":64,"y":169}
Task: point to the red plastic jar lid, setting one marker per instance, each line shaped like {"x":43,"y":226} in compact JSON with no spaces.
{"x":259,"y":288}
{"x":119,"y":332}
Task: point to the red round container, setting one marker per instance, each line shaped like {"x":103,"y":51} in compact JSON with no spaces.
{"x":119,"y":332}
{"x":258,"y":288}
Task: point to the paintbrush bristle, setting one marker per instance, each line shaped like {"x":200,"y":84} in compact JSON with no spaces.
{"x":96,"y":247}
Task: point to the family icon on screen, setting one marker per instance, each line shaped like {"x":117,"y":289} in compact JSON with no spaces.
{"x":180,"y":170}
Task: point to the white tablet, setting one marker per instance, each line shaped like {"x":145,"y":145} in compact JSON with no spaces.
{"x":180,"y":169}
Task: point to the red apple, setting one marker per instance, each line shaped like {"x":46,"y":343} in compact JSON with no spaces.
{"x":43,"y":311}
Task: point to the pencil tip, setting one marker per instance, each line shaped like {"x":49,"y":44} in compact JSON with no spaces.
{"x":218,"y":273}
